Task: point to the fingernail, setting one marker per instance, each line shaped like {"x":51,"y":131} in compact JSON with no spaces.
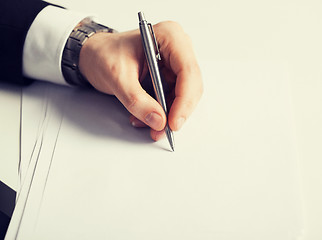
{"x":154,"y":120}
{"x":137,"y":123}
{"x":180,"y":122}
{"x":159,"y":135}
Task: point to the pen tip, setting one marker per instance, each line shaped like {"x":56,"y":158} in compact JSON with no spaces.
{"x":171,"y":141}
{"x":172,"y":147}
{"x":170,"y":137}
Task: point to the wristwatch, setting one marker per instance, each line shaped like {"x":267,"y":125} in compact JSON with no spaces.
{"x":70,"y":58}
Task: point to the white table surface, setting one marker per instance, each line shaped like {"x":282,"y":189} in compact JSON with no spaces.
{"x":286,"y":30}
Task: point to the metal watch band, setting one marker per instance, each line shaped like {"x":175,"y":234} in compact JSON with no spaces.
{"x":70,"y":58}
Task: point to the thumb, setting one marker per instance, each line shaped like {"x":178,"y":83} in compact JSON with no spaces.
{"x":141,"y":105}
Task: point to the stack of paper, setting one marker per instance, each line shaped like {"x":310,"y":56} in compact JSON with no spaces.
{"x":10,"y":96}
{"x":86,"y":173}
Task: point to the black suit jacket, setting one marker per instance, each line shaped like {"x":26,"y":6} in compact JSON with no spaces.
{"x":16,"y":17}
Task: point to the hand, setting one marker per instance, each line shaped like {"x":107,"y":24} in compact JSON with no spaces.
{"x":115,"y":64}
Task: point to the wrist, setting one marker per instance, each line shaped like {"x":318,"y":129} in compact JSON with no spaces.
{"x":71,"y":54}
{"x":95,"y":58}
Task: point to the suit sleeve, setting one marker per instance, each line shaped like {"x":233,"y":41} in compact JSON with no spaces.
{"x":16,"y":16}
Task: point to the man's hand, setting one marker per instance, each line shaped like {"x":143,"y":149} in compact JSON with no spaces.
{"x":115,"y":64}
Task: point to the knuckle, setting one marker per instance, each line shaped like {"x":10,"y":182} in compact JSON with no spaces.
{"x":173,"y":25}
{"x":131,"y":103}
{"x":189,"y":103}
{"x":169,"y":27}
{"x":114,"y":69}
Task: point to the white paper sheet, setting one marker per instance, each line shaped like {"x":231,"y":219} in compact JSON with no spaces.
{"x":33,"y":106}
{"x":233,"y":175}
{"x":10,"y":99}
{"x":38,"y":105}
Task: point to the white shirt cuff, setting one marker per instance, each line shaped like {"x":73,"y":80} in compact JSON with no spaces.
{"x":45,"y":43}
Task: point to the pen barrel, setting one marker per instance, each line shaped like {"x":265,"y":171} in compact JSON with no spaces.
{"x":152,"y":62}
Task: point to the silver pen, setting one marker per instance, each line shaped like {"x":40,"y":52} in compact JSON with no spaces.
{"x":152,"y":55}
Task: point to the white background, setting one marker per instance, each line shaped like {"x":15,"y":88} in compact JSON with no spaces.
{"x":287,"y":31}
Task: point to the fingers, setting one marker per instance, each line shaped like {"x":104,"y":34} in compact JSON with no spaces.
{"x":136,"y":122}
{"x":188,"y":92}
{"x":178,"y":56}
{"x":141,"y":105}
{"x":155,"y":135}
{"x":182,"y":73}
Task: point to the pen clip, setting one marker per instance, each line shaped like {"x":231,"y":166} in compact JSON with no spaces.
{"x":158,"y":55}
